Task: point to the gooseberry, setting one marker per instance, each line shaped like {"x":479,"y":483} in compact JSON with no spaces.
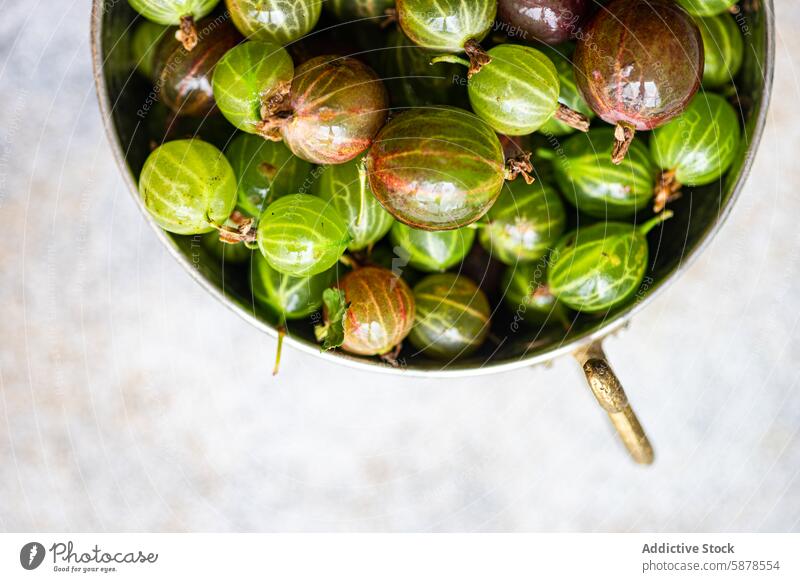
{"x":250,"y":81}
{"x":723,"y":47}
{"x":450,"y":26}
{"x":599,"y":267}
{"x":182,"y":13}
{"x":517,"y":91}
{"x":369,"y":313}
{"x":524,"y":224}
{"x":301,"y":235}
{"x":432,"y":251}
{"x":593,"y":184}
{"x":437,"y":168}
{"x":527,"y":295}
{"x":635,"y":73}
{"x":184,"y":78}
{"x":696,"y":148}
{"x":346,"y":187}
{"x":452,"y":317}
{"x":287,"y":298}
{"x":548,"y":21}
{"x":224,"y":252}
{"x":325,"y":126}
{"x":265,"y":171}
{"x":707,"y":7}
{"x":188,"y":186}
{"x":275,"y":21}
{"x":144,"y":43}
{"x":568,"y":95}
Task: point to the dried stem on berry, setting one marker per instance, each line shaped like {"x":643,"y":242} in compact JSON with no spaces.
{"x":668,"y":189}
{"x":477,"y":57}
{"x":520,"y":166}
{"x":572,"y":118}
{"x":187,"y":33}
{"x":623,"y":136}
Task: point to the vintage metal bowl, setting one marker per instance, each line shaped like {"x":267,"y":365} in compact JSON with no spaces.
{"x":699,"y":215}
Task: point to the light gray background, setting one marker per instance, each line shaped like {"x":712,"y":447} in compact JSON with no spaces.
{"x":131,"y":400}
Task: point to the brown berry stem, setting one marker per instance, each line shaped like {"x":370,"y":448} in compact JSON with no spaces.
{"x":187,"y":33}
{"x":623,"y":136}
{"x":520,"y":166}
{"x":477,"y":56}
{"x":245,"y":231}
{"x":572,"y":118}
{"x":276,"y":111}
{"x":668,"y":189}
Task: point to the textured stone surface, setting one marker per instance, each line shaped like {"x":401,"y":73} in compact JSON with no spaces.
{"x":130,"y":400}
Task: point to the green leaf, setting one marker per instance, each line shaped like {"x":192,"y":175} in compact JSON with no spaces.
{"x":332,"y":333}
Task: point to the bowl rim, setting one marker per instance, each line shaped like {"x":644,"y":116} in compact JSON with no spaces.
{"x":619,"y":320}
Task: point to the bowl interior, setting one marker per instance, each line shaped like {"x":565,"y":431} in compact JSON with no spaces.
{"x":135,"y":120}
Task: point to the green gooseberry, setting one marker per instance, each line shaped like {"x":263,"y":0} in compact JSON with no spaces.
{"x":347,"y":188}
{"x":707,"y":7}
{"x":593,"y":184}
{"x":723,"y":47}
{"x":697,"y":147}
{"x":287,"y":297}
{"x":602,"y":266}
{"x":527,"y":295}
{"x":276,"y":21}
{"x":188,"y":186}
{"x":144,"y":43}
{"x":345,"y":10}
{"x":250,"y":80}
{"x":301,"y":235}
{"x":174,"y":13}
{"x":524,"y":224}
{"x":432,"y":250}
{"x":450,"y":26}
{"x":568,"y":95}
{"x":517,"y":91}
{"x":265,"y":171}
{"x":452,"y":319}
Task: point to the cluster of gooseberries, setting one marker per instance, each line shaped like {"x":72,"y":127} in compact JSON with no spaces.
{"x":356,"y":168}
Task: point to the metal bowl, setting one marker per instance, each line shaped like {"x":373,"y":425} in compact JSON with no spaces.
{"x":699,"y":214}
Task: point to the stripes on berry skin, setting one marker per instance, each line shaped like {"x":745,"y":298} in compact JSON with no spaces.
{"x":433,"y":251}
{"x":381,"y":311}
{"x":597,"y":187}
{"x":339,"y":104}
{"x":188,"y":186}
{"x":301,"y":235}
{"x":517,"y":92}
{"x":599,"y":267}
{"x":288,"y":297}
{"x":452,"y":318}
{"x":446,"y":25}
{"x":280,"y":21}
{"x":701,"y":144}
{"x":723,"y":47}
{"x":245,"y":77}
{"x":170,"y":12}
{"x":436,"y":168}
{"x":525,"y":223}
{"x":347,"y":188}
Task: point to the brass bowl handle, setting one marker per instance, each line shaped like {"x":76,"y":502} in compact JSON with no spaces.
{"x":607,"y":388}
